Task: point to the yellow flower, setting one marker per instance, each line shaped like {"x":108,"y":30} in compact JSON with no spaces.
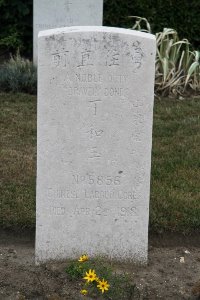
{"x":90,"y":276}
{"x":97,"y":279}
{"x":103,"y":285}
{"x":83,"y":258}
{"x":84,"y":292}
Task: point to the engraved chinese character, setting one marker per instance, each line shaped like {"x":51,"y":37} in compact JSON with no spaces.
{"x":94,"y":153}
{"x":133,"y":151}
{"x":60,"y":59}
{"x":137,"y":54}
{"x":56,"y":59}
{"x":113,"y":58}
{"x":95,"y":133}
{"x":86,"y":58}
{"x":94,"y":102}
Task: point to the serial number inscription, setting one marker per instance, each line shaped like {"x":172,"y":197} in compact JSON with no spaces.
{"x":99,"y":180}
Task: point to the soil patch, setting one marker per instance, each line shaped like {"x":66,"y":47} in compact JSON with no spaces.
{"x":172,"y":273}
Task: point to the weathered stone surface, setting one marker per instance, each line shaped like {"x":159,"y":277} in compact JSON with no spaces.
{"x":95,"y":106}
{"x":49,"y":14}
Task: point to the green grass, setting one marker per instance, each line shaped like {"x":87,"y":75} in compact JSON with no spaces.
{"x":175,"y":180}
{"x":18,"y":160}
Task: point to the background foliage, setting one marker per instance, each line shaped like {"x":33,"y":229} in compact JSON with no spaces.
{"x":18,"y":74}
{"x":16,"y":26}
{"x":182,"y":15}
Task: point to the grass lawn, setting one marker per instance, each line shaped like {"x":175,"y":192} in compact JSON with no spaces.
{"x":175,"y":180}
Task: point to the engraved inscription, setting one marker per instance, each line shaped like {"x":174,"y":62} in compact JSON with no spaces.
{"x":93,"y":90}
{"x":113,"y":52}
{"x":91,"y":84}
{"x":115,"y":212}
{"x":94,"y":103}
{"x":94,"y":153}
{"x":113,"y":58}
{"x":89,"y":77}
{"x":137,"y":54}
{"x":60,"y":59}
{"x":127,"y":211}
{"x":93,"y":133}
{"x":117,"y":78}
{"x":62,"y":193}
{"x":92,"y":179}
{"x":57,"y":211}
{"x":82,"y":90}
{"x":93,"y":194}
{"x":116,"y":91}
{"x":98,"y":211}
{"x":67,"y":5}
{"x":68,"y":20}
{"x":87,"y":59}
{"x":111,"y":194}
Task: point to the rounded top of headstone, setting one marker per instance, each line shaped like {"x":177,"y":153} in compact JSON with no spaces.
{"x":74,"y":29}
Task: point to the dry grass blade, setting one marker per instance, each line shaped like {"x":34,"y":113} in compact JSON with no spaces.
{"x":138,"y":22}
{"x":177,"y":67}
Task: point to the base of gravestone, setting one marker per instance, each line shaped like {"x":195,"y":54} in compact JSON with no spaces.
{"x":108,"y":259}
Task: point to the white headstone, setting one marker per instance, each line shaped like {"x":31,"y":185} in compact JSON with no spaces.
{"x":95,"y":106}
{"x":49,"y":14}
